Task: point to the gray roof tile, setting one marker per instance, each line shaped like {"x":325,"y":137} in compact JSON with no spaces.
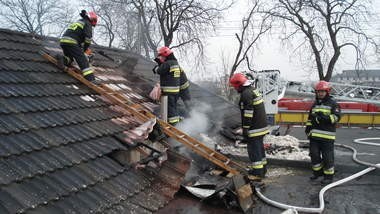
{"x":55,"y":142}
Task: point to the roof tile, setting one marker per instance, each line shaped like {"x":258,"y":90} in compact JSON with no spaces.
{"x":21,"y":77}
{"x":16,"y":90}
{"x":56,"y":135}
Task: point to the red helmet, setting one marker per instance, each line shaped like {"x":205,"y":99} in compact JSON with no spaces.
{"x":93,"y":18}
{"x":323,"y":86}
{"x":237,"y":80}
{"x":164,"y":51}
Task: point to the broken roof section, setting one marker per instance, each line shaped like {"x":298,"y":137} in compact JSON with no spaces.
{"x":57,"y":137}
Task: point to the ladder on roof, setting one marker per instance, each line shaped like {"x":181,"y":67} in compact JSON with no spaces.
{"x":142,"y":113}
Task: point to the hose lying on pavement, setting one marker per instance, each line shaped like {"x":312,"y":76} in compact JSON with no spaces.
{"x":324,"y":189}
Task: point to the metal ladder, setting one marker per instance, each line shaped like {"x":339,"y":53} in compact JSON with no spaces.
{"x":143,"y":114}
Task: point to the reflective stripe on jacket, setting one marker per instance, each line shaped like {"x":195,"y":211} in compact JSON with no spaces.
{"x":79,"y":32}
{"x":326,"y":128}
{"x":169,"y":76}
{"x":183,"y":81}
{"x":253,"y":113}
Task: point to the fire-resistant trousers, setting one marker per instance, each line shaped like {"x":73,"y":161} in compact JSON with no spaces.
{"x":322,"y":156}
{"x":173,"y":116}
{"x":256,"y":153}
{"x":72,"y":52}
{"x":186,"y":99}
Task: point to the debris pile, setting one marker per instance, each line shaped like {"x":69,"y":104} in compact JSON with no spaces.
{"x":285,"y":147}
{"x":278,"y":147}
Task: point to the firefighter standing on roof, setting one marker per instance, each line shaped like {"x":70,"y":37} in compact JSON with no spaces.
{"x":320,"y":129}
{"x":254,"y":122}
{"x":78,"y":33}
{"x":170,"y":73}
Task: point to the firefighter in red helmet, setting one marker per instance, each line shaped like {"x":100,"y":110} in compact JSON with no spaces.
{"x":76,"y":41}
{"x":321,"y":130}
{"x":170,"y":73}
{"x":184,"y":87}
{"x":254,"y":123}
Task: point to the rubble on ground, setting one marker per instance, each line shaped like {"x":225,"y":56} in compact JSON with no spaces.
{"x":277,"y":147}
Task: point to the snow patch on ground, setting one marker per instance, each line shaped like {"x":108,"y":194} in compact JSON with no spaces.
{"x":278,"y":147}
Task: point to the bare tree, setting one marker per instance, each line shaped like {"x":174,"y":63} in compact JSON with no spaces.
{"x":175,"y":23}
{"x":184,"y":22}
{"x":327,"y":27}
{"x":149,"y":35}
{"x":222,"y":76}
{"x":249,"y":36}
{"x":33,"y":16}
{"x":179,"y":23}
{"x":128,"y":33}
{"x":107,"y":26}
{"x":117,"y":25}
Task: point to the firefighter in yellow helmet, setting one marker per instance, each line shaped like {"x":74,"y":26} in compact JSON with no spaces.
{"x":254,"y":122}
{"x":321,"y":129}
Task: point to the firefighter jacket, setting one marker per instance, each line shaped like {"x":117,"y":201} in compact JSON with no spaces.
{"x":322,"y":120}
{"x":183,"y":81}
{"x":78,"y":33}
{"x":253,"y":113}
{"x":169,"y":72}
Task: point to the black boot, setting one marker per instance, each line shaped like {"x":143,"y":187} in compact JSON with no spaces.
{"x":256,"y":174}
{"x":90,"y":77}
{"x":265,"y":171}
{"x":327,"y":179}
{"x":316,"y":174}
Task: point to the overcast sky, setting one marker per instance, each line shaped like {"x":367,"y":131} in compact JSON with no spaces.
{"x":271,"y":54}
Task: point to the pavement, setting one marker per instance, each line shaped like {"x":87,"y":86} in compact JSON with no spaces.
{"x":343,"y":156}
{"x":288,"y":182}
{"x":294,"y":188}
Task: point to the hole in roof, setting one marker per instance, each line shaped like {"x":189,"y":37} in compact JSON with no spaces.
{"x":119,"y":156}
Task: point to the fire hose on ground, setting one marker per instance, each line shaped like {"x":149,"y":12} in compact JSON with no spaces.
{"x":321,"y":207}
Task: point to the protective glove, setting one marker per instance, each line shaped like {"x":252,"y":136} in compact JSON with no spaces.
{"x":323,"y":118}
{"x":308,"y":128}
{"x":154,"y":69}
{"x":157,"y":60}
{"x":315,"y":120}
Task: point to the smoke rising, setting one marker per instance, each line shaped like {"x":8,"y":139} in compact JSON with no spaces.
{"x":198,"y":121}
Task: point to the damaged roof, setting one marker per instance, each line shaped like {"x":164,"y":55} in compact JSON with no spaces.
{"x":57,"y":137}
{"x":220,"y":111}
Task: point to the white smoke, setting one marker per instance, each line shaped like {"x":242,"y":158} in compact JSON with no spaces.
{"x":194,"y":125}
{"x":198,"y":122}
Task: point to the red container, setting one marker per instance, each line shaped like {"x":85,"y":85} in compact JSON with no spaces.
{"x":305,"y":105}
